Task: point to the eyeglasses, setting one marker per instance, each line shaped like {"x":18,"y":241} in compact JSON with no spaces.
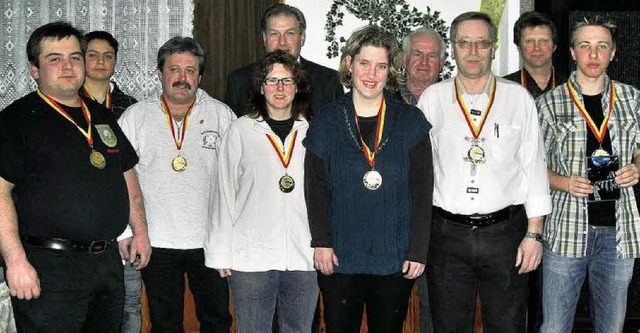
{"x":482,"y":44}
{"x":273,"y":81}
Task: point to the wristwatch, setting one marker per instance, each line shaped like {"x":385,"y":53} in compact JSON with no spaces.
{"x":534,"y":235}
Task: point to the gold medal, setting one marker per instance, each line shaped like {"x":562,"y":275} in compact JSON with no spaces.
{"x":97,"y":159}
{"x":476,"y":154}
{"x":286,"y":183}
{"x":179,"y":164}
{"x":372,"y":180}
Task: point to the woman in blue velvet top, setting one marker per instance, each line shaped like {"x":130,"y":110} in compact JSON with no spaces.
{"x":368,"y":187}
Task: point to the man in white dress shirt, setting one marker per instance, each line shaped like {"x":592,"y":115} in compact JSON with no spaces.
{"x":491,"y":189}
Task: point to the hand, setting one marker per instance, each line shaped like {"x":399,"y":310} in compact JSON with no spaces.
{"x":140,"y":251}
{"x":529,"y":255}
{"x":23,"y":281}
{"x":627,"y":175}
{"x":412,"y":269}
{"x":324,"y":259}
{"x":123,"y":246}
{"x":579,"y":187}
{"x":224,"y":272}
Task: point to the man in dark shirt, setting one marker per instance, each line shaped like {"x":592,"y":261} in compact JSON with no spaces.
{"x":283,"y":27}
{"x":72,"y":169}
{"x":535,"y":36}
{"x":100,"y":64}
{"x":102,"y":54}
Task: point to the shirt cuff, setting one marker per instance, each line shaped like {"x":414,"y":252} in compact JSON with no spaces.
{"x":126,"y":234}
{"x":218,"y":260}
{"x":538,"y":206}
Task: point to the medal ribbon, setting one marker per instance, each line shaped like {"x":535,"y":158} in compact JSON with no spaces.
{"x":467,"y":116}
{"x":371,"y":155}
{"x":285,"y":158}
{"x":598,"y":132}
{"x":85,"y":112}
{"x":107,"y":99}
{"x":523,"y":80}
{"x":170,"y":121}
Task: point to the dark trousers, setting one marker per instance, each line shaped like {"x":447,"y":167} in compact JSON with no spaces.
{"x":80,"y":292}
{"x":534,"y":310}
{"x":345,"y":295}
{"x":464,"y":260}
{"x":164,"y":282}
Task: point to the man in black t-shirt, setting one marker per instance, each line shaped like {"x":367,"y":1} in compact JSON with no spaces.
{"x":72,"y":169}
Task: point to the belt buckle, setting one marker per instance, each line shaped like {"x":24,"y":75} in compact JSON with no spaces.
{"x":480,"y":221}
{"x":97,"y":246}
{"x":475,"y":221}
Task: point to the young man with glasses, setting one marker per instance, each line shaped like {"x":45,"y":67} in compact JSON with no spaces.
{"x":491,"y":190}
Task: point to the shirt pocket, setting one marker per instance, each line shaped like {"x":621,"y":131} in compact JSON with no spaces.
{"x":629,"y":139}
{"x":569,"y":135}
{"x":508,"y":140}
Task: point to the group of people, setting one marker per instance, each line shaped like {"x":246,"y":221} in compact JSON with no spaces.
{"x":292,"y":188}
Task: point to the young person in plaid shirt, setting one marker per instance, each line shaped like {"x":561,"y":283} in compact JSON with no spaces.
{"x":589,"y":116}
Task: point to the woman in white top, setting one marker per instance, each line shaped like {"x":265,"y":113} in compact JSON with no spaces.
{"x":260,"y":238}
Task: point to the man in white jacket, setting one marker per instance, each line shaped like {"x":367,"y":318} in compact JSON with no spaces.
{"x":176,"y":136}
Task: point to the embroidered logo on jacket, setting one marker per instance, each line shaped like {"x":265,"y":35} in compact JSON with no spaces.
{"x":106,"y":135}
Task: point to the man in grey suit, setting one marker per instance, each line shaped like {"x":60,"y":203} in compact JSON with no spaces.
{"x":283,"y":27}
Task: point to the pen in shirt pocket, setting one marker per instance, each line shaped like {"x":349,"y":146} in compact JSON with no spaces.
{"x":496,"y":130}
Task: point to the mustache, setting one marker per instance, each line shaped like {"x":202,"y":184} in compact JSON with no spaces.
{"x":181,"y":84}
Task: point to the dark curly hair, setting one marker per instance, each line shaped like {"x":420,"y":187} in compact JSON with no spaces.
{"x":257,"y":104}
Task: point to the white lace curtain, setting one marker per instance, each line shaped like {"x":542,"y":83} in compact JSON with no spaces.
{"x":140,"y":26}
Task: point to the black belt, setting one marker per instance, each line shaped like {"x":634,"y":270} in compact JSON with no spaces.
{"x":68,"y":245}
{"x":479,"y":220}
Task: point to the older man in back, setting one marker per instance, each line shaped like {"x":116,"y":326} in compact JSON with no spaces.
{"x":535,"y":36}
{"x":423,"y":56}
{"x":283,"y":27}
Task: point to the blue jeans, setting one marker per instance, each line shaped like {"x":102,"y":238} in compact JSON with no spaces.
{"x":131,"y":316}
{"x":6,"y":312}
{"x":255,"y":294}
{"x":609,"y":279}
